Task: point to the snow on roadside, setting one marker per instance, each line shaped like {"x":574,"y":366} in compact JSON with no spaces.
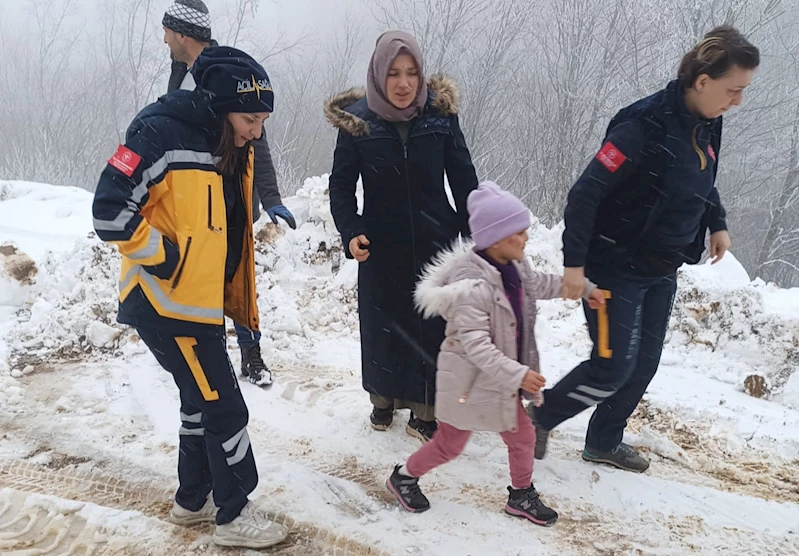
{"x":41,"y":217}
{"x":73,"y":308}
{"x":312,"y":435}
{"x":724,"y":326}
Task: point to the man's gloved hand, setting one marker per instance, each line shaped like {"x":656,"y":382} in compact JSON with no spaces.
{"x":282,"y":212}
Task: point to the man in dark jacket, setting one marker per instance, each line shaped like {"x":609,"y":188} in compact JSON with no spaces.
{"x":187,"y":31}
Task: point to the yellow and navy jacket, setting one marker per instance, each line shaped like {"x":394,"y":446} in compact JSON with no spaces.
{"x":160,"y":199}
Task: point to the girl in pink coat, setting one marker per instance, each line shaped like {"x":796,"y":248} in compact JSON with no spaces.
{"x":486,"y":293}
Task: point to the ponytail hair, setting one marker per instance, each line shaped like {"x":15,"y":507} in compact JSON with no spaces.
{"x":720,"y":50}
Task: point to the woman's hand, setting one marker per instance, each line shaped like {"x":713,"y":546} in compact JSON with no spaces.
{"x":719,"y":244}
{"x":359,"y":248}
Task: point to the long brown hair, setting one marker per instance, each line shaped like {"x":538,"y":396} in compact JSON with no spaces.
{"x":232,"y":159}
{"x":719,"y":50}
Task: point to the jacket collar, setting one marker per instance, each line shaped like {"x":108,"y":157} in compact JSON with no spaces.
{"x":452,"y":274}
{"x":192,"y":108}
{"x":675,"y":93}
{"x":443,"y":97}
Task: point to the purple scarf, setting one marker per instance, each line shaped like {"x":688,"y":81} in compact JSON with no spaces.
{"x":512,"y":283}
{"x":390,"y":45}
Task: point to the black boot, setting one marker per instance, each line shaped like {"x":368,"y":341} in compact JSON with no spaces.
{"x":253,"y":367}
{"x":423,"y":430}
{"x":381,"y":419}
{"x":407,"y":491}
{"x":541,"y":435}
{"x":526,"y":503}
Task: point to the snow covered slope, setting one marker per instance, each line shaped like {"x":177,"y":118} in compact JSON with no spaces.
{"x":724,"y":463}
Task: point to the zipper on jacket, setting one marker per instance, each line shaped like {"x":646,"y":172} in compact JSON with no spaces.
{"x":176,"y":281}
{"x":698,"y":149}
{"x":211,"y":212}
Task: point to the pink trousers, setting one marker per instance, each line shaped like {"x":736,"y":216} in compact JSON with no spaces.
{"x":448,"y":443}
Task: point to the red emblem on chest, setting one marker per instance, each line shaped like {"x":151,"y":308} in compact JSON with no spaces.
{"x":610,"y":157}
{"x":711,"y":152}
{"x":125,"y":160}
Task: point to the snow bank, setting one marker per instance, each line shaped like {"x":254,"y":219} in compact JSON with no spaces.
{"x":42,"y":218}
{"x":73,"y":306}
{"x":790,"y":394}
{"x":721,"y":325}
{"x":724,"y":325}
{"x":17,"y":273}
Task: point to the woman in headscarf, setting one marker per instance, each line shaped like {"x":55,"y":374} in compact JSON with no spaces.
{"x":400,"y":136}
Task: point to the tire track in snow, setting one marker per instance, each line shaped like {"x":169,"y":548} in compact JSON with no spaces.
{"x":751,"y":475}
{"x":705,"y":457}
{"x":32,"y":528}
{"x":152,"y":500}
{"x":583,"y":527}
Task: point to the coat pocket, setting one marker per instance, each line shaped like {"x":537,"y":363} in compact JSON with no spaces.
{"x":479,"y":410}
{"x":211,"y":226}
{"x":182,"y":265}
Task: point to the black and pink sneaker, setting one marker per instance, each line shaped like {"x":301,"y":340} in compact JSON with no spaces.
{"x":526,"y":503}
{"x":407,"y":491}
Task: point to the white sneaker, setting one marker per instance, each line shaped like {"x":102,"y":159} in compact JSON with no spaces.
{"x":181,"y":516}
{"x":252,"y":529}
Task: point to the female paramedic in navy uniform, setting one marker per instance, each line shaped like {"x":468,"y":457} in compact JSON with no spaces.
{"x":641,"y":209}
{"x":176,"y":199}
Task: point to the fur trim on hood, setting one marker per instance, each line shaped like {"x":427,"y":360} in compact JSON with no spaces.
{"x":446,"y":99}
{"x":451,"y":274}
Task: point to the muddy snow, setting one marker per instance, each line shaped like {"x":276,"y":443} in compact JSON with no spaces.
{"x":89,"y":420}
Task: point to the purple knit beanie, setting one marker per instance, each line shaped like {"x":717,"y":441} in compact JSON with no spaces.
{"x":495,"y":214}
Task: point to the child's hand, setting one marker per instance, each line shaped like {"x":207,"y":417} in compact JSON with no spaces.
{"x":596,"y":299}
{"x":533,"y":382}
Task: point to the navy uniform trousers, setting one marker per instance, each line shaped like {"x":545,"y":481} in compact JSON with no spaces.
{"x":215,"y":452}
{"x":628,"y":336}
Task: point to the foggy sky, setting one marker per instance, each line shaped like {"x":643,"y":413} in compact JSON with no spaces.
{"x":289,"y":14}
{"x":293,"y":17}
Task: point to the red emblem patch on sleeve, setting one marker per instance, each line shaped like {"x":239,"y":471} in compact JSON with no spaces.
{"x":610,"y":157}
{"x":712,"y":152}
{"x":125,"y":160}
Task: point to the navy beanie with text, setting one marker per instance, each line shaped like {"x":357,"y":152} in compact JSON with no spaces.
{"x":235,"y":80}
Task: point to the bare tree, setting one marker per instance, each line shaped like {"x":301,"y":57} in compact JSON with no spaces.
{"x":779,"y":251}
{"x":302,"y":141}
{"x":539,"y":82}
{"x":238,"y":26}
{"x":135,"y":58}
{"x":438,"y":25}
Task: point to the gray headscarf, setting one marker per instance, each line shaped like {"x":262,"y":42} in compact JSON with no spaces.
{"x":390,"y":45}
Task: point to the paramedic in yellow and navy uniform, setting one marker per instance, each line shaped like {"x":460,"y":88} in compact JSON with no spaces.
{"x":176,"y":199}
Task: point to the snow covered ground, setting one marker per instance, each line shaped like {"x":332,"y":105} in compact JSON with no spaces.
{"x":88,"y":420}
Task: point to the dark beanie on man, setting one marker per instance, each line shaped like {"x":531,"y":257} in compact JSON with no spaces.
{"x":237,"y":82}
{"x":190,"y":18}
